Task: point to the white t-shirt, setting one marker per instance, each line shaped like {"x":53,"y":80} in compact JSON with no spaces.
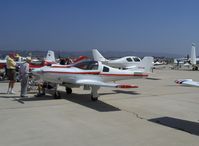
{"x":24,"y":69}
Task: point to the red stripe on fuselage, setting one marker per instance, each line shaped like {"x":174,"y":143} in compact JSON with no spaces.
{"x":93,"y":73}
{"x":98,"y":73}
{"x":138,"y":75}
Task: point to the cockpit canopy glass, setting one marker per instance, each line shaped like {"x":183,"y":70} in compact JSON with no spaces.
{"x":87,"y":65}
{"x":136,"y":59}
{"x":129,"y":59}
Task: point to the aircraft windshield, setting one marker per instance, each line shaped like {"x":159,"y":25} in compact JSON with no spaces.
{"x":87,"y":65}
{"x":136,"y":59}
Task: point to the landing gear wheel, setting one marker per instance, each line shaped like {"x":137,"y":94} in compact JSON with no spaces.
{"x":68,"y":90}
{"x":94,"y":98}
{"x":57,"y":95}
{"x":195,"y":68}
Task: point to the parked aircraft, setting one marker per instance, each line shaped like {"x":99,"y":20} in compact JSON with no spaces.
{"x":19,"y":60}
{"x":50,"y":59}
{"x":92,"y":75}
{"x":190,"y":63}
{"x":187,"y":82}
{"x":123,"y":63}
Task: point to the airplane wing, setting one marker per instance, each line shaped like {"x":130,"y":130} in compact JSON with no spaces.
{"x":187,"y":82}
{"x":103,"y":84}
{"x":132,"y":67}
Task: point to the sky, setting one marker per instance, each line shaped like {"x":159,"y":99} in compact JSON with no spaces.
{"x":168,"y":26}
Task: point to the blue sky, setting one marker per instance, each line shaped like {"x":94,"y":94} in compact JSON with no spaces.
{"x":139,"y":25}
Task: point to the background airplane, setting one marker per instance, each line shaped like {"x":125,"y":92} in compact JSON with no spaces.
{"x":191,"y":63}
{"x":92,"y":75}
{"x":127,"y":62}
{"x":19,"y":60}
{"x":49,"y":60}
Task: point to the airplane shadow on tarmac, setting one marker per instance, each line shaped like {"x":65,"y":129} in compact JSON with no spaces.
{"x":153,"y":79}
{"x":85,"y":100}
{"x":179,"y":124}
{"x":81,"y":99}
{"x":121,"y":91}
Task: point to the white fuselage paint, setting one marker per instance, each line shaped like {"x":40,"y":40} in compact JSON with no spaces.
{"x":73,"y":74}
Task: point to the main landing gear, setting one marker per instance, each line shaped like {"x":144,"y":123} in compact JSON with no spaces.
{"x":94,"y":94}
{"x":68,"y":90}
{"x":57,"y":95}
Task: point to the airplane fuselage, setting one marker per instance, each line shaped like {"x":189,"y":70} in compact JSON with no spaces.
{"x":72,"y":74}
{"x":124,"y":62}
{"x":90,"y":74}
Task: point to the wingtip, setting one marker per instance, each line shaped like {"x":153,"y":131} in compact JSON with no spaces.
{"x":127,"y":86}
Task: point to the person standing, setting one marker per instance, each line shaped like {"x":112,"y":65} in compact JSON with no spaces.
{"x":11,"y":73}
{"x":24,"y":75}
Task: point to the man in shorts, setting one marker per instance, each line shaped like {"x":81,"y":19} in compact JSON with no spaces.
{"x":11,"y":72}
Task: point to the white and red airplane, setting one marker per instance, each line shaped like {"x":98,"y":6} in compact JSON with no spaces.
{"x":92,"y":75}
{"x":49,"y":60}
{"x":19,"y":61}
{"x":187,"y":82}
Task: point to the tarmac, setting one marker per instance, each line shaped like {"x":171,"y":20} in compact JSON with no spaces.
{"x":158,"y":113}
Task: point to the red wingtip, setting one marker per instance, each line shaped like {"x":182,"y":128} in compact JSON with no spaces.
{"x":127,"y":86}
{"x":177,"y":82}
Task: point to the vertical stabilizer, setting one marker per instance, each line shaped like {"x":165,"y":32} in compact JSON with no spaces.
{"x":193,"y":54}
{"x":50,"y":56}
{"x":146,"y":64}
{"x":97,"y":56}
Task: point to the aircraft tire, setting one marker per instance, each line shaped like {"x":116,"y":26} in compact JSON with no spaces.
{"x":57,"y":95}
{"x":68,"y":90}
{"x":94,"y":98}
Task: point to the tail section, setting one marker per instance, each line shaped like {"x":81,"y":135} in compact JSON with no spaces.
{"x":193,"y":54}
{"x":146,"y":64}
{"x":97,"y":56}
{"x":50,"y":56}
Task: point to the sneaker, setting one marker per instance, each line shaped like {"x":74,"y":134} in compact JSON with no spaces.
{"x":8,"y":92}
{"x":12,"y":92}
{"x":38,"y":95}
{"x":24,"y":96}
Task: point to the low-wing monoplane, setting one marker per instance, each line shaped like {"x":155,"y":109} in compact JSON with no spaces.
{"x":124,"y":62}
{"x":127,"y":62}
{"x":49,"y":60}
{"x":92,"y":75}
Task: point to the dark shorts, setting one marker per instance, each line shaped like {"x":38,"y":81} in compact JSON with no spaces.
{"x":11,"y":74}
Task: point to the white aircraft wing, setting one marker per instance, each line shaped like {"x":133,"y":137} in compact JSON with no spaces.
{"x":187,"y":82}
{"x":132,"y":67}
{"x":103,"y":84}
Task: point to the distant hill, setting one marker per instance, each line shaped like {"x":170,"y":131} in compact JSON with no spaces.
{"x":67,"y":53}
